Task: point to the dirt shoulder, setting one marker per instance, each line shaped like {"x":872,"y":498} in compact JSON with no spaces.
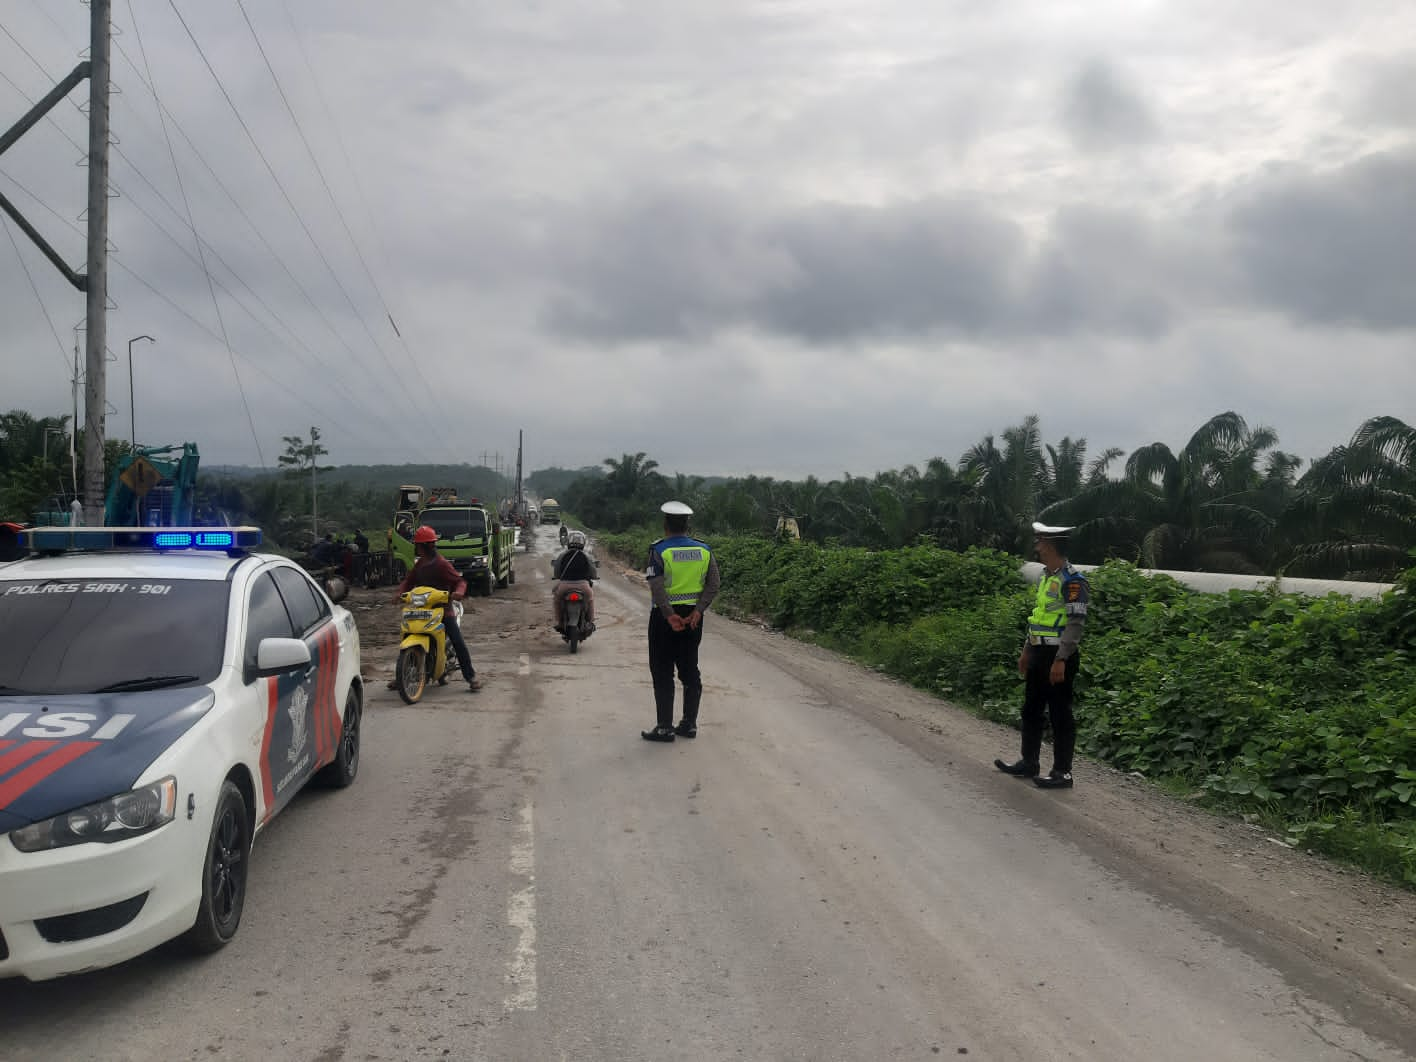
{"x":1334,"y":933}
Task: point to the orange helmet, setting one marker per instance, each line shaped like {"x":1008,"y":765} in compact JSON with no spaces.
{"x":425,"y":534}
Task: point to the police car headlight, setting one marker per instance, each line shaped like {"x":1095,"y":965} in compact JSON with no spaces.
{"x":118,"y":818}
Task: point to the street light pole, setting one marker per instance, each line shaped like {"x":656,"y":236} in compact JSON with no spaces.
{"x":132,"y":409}
{"x":47,"y":433}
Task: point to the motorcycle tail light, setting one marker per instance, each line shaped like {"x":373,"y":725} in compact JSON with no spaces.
{"x":572,"y":597}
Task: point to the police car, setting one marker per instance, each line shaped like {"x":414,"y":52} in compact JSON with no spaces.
{"x":163,"y":694}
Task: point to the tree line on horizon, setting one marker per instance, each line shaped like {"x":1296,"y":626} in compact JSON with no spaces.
{"x":1227,"y":500}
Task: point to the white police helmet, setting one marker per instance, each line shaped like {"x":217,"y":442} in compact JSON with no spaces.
{"x":1044,"y":531}
{"x":575,"y":538}
{"x":675,"y":508}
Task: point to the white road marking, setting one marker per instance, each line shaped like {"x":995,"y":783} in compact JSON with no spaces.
{"x":523,"y":666}
{"x":540,"y":576}
{"x":521,"y":916}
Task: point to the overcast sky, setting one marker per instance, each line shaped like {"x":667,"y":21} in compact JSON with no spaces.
{"x":771,"y":236}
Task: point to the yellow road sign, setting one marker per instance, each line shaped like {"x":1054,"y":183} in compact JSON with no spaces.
{"x":140,"y":477}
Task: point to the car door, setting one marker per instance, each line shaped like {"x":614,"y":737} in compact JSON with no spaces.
{"x":314,"y":706}
{"x":274,"y":697}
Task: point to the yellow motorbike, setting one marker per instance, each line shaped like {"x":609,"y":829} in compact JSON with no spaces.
{"x":424,"y":653}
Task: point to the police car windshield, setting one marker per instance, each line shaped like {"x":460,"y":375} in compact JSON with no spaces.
{"x":83,"y":635}
{"x":456,"y":523}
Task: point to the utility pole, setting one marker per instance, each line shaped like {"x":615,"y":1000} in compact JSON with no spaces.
{"x":314,"y":491}
{"x":73,"y":435}
{"x":96,"y":286}
{"x":519,"y":435}
{"x":94,"y":283}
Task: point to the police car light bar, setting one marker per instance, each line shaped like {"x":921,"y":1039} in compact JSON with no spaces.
{"x":93,"y":539}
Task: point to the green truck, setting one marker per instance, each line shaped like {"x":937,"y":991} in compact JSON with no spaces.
{"x":469,"y":535}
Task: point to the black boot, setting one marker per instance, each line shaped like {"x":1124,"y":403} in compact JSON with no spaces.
{"x":688,"y":726}
{"x":1019,"y":768}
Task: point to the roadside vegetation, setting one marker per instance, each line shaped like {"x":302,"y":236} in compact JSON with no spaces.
{"x":1299,"y":713}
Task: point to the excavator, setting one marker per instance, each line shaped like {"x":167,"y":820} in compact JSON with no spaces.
{"x":154,"y":486}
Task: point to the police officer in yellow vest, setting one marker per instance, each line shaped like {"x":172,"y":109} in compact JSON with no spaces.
{"x":1049,"y":661}
{"x":683,"y":580}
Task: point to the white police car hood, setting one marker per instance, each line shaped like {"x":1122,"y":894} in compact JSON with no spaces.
{"x":61,"y":752}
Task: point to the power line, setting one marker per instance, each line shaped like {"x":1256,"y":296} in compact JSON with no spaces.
{"x":351,"y":169}
{"x":330,"y":369}
{"x":285,"y":388}
{"x":245,"y":216}
{"x":281,"y":186}
{"x":63,"y":354}
{"x":314,"y":160}
{"x":191,"y":222}
{"x":373,"y":411}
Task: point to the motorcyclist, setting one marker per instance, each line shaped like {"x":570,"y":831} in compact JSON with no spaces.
{"x":431,"y":568}
{"x":324,"y":552}
{"x":576,"y":569}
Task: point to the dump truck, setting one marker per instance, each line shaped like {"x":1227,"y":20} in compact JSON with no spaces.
{"x":469,"y":533}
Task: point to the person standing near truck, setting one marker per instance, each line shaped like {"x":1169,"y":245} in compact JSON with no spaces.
{"x":433,"y":569}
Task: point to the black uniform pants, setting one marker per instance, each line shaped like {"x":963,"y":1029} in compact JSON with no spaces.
{"x":1056,"y":701}
{"x":669,"y":650}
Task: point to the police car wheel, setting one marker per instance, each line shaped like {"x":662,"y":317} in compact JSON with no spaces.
{"x":342,"y":770}
{"x":223,"y":873}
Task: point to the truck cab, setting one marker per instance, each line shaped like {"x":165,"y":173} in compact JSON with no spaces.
{"x":470,"y":536}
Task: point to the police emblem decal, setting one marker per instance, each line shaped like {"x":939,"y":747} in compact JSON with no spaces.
{"x":299,"y":708}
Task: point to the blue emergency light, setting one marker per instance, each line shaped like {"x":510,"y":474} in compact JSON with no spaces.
{"x":99,"y":539}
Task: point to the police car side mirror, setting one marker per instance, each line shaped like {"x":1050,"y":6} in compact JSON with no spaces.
{"x":276,"y":656}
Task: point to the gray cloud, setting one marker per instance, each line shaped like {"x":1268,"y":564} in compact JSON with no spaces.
{"x":1102,"y":111}
{"x":552,"y":189}
{"x":906,"y":270}
{"x":1334,"y":248}
{"x":689,"y":263}
{"x":1383,"y":90}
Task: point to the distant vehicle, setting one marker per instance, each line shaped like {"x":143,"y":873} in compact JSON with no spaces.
{"x":163,"y":695}
{"x":550,"y":511}
{"x":470,"y":536}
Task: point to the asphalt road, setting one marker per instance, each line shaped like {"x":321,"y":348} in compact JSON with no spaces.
{"x":830,"y":871}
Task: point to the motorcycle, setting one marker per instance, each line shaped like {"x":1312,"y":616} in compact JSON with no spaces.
{"x":424,"y":653}
{"x":577,"y":624}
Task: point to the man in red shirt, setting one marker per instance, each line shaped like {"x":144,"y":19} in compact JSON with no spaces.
{"x":431,"y":568}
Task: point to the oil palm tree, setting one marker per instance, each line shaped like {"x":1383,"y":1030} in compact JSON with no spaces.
{"x":1195,"y":510}
{"x":1355,"y":511}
